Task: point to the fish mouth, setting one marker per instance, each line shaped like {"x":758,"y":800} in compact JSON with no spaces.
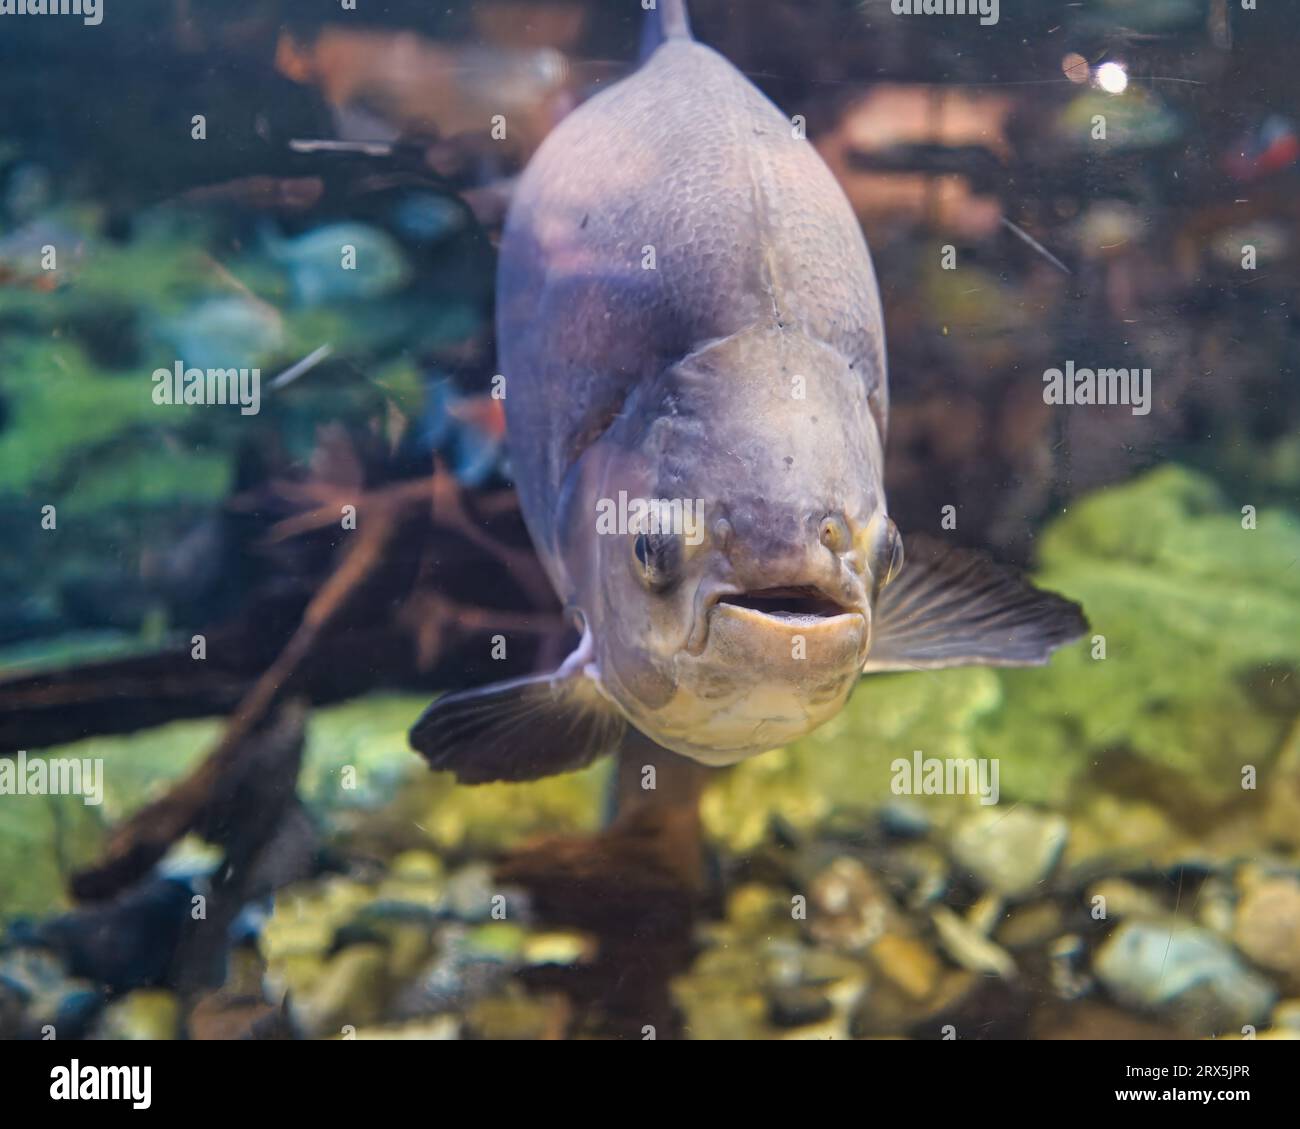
{"x":802,"y":604}
{"x":798,"y":608}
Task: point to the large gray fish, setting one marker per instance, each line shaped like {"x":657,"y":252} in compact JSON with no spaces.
{"x":688,"y":316}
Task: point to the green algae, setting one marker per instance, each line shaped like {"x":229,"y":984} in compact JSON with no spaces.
{"x":1201,"y":622}
{"x":1201,"y":626}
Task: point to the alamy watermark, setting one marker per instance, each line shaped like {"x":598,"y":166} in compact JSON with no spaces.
{"x":53,"y":776}
{"x":181,"y":385}
{"x":623,"y":515}
{"x":90,"y":11}
{"x":1103,"y":386}
{"x":987,"y":10}
{"x":946,"y":776}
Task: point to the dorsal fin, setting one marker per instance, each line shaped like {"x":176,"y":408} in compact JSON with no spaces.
{"x":673,"y":19}
{"x":668,"y":20}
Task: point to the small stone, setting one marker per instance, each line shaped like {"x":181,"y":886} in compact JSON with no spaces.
{"x":1184,"y":972}
{"x":908,"y":964}
{"x":753,"y":905}
{"x":1287,"y":1014}
{"x":409,"y":946}
{"x":417,"y":866}
{"x":1110,"y":834}
{"x":1121,"y":900}
{"x":517,"y":1016}
{"x":970,"y":948}
{"x":306,"y":917}
{"x":500,"y":941}
{"x":985,"y":914}
{"x":1067,"y":969}
{"x":470,"y":893}
{"x":903,"y":818}
{"x":796,"y":1006}
{"x":1011,"y":852}
{"x":50,"y":1001}
{"x":1215,"y":906}
{"x":1281,"y":821}
{"x":1029,"y":926}
{"x":349,"y":993}
{"x":141,"y":1014}
{"x":438,"y":1029}
{"x":559,"y":948}
{"x":886,"y":1010}
{"x":923,"y":869}
{"x":1267,"y":927}
{"x":849,"y":909}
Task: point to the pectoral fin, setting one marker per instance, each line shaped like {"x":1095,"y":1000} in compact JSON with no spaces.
{"x":956,"y":607}
{"x":523,"y":729}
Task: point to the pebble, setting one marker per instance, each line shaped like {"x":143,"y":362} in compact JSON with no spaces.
{"x":908,"y":964}
{"x":969,"y":947}
{"x":1122,"y":900}
{"x":754,"y":906}
{"x":1184,"y":972}
{"x":1267,"y":926}
{"x":144,"y":1014}
{"x":903,"y":818}
{"x":558,"y":948}
{"x":1029,"y":926}
{"x":350,"y":992}
{"x":923,"y":869}
{"x":985,"y":914}
{"x":470,"y":893}
{"x":1215,"y":906}
{"x":796,"y":1006}
{"x":1287,"y":1014}
{"x":518,"y":1016}
{"x":1067,"y":968}
{"x":42,"y":998}
{"x":848,"y":908}
{"x":1011,"y":852}
{"x":440,"y":1028}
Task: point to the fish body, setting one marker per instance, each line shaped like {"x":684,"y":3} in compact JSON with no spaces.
{"x":688,"y":317}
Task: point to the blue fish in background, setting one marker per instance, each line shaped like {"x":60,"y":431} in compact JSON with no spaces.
{"x":468,"y":431}
{"x":427,"y":219}
{"x":341,"y":262}
{"x":225,"y":332}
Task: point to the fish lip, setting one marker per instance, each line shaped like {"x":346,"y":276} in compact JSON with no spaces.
{"x":802,"y":621}
{"x":719,"y":603}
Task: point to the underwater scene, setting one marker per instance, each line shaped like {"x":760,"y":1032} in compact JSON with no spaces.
{"x":629,"y":520}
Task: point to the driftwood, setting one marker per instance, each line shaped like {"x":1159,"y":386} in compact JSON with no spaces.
{"x":407,"y":509}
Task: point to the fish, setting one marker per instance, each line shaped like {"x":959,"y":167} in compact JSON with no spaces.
{"x":1270,"y":148}
{"x":467,"y":431}
{"x":315,"y":263}
{"x":688,"y":316}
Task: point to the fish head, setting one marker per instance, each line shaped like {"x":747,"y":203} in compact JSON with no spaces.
{"x":744,"y":544}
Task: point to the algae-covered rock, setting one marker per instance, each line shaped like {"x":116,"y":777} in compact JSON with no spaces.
{"x":360,"y":772}
{"x":142,"y":1014}
{"x":1201,"y":625}
{"x":44,"y":838}
{"x":1185,"y":973}
{"x":1011,"y":852}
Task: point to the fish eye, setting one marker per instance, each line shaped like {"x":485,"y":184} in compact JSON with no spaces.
{"x":890,"y":556}
{"x":658,"y":559}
